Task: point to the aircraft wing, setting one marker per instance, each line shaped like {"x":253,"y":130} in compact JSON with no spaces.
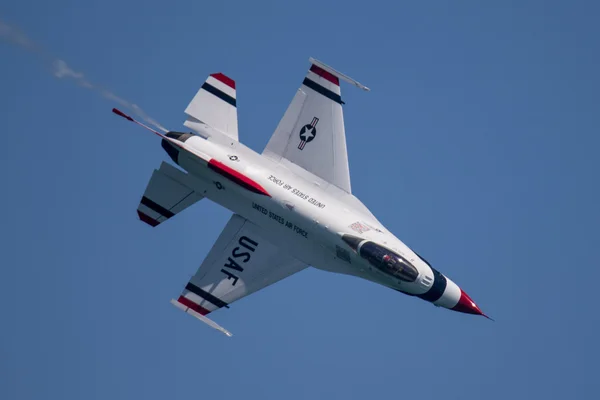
{"x":212,"y":113}
{"x":311,"y":133}
{"x":167,"y":194}
{"x":240,"y":263}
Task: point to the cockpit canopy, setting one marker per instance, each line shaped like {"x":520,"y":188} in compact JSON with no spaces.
{"x":383,"y":259}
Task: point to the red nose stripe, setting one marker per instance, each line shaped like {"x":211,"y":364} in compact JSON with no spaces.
{"x":467,"y":305}
{"x":237,"y":177}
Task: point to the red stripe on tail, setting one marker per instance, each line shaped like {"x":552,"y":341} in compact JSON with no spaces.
{"x":147,"y":219}
{"x":225,"y":79}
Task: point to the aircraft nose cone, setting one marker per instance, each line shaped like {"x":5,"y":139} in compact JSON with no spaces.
{"x":467,"y":305}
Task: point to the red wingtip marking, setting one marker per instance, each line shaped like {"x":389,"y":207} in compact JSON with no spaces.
{"x":122,"y":114}
{"x":324,"y":74}
{"x":237,"y":177}
{"x":225,"y":79}
{"x":190,"y":304}
{"x":147,"y":219}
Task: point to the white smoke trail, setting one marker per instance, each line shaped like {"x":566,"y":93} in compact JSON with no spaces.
{"x":61,"y":70}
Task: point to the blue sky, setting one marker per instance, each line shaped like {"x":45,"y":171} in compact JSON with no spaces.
{"x":477,"y":146}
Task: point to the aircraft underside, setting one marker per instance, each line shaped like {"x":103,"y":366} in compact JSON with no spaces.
{"x":292,"y":205}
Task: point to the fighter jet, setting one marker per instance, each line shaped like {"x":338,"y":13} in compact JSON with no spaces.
{"x":292,"y":204}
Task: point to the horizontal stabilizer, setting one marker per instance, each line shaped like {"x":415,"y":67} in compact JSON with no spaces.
{"x":215,"y":106}
{"x":168,"y":193}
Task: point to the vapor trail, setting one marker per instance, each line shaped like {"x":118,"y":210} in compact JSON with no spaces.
{"x":61,"y":70}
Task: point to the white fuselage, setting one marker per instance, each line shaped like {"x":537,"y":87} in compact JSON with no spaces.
{"x":304,"y":218}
